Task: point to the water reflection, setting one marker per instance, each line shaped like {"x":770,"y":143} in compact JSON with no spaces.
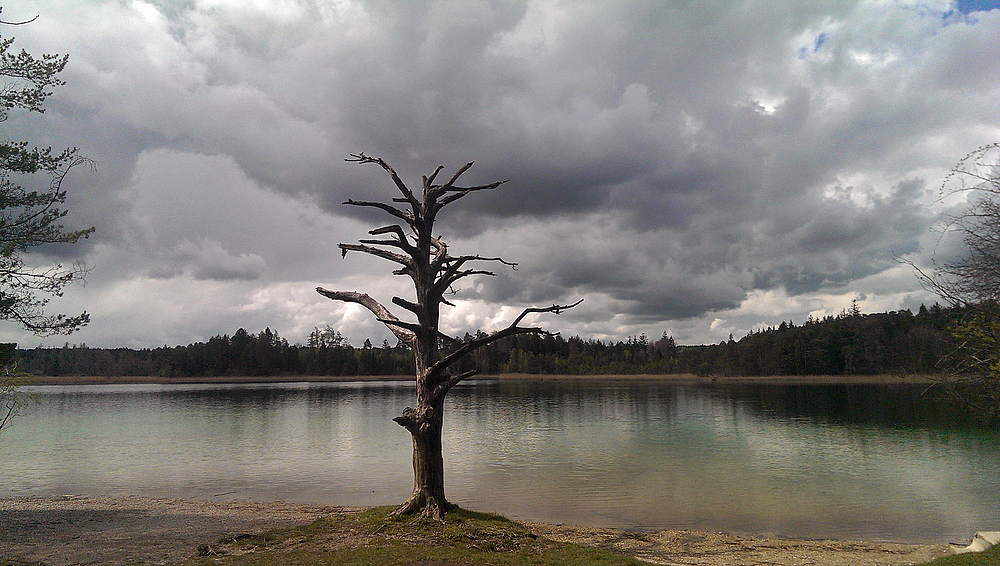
{"x":832,"y":461}
{"x":883,"y":405}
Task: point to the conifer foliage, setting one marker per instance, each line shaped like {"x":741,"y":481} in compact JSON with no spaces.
{"x":31,"y":196}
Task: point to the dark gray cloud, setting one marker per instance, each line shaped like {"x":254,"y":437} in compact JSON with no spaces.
{"x":696,"y":167}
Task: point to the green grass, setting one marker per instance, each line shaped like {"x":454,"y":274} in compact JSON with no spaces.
{"x":372,"y":538}
{"x":989,"y":557}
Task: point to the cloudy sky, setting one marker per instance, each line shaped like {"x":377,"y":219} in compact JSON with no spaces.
{"x":697,"y":168}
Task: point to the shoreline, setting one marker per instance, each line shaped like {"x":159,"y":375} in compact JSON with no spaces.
{"x":679,"y":379}
{"x":65,"y":530}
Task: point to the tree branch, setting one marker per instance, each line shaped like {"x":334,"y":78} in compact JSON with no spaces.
{"x":412,"y":307}
{"x":405,"y":246}
{"x":454,"y":178}
{"x":554,"y":309}
{"x":444,"y":387}
{"x":382,"y":314}
{"x":511,"y":330}
{"x":6,"y":23}
{"x":401,"y":214}
{"x":458,"y":261}
{"x":446,"y":282}
{"x":384,"y":254}
{"x":464,"y":191}
{"x":391,"y":229}
{"x":453,"y":273}
{"x":399,"y":323}
{"x":407,"y":193}
{"x":428,"y":181}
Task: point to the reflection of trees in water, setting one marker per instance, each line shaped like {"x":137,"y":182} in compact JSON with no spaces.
{"x":564,"y":400}
{"x":545,"y":401}
{"x":882,"y":405}
{"x":554,"y":401}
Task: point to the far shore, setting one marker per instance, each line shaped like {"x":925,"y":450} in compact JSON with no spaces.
{"x":678,"y":378}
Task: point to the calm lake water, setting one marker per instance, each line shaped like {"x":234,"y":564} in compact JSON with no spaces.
{"x":870,"y":462}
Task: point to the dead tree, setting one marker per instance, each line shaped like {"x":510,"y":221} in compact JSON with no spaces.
{"x":424,"y":258}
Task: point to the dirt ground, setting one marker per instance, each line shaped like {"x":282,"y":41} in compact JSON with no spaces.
{"x":79,"y":530}
{"x":681,"y":547}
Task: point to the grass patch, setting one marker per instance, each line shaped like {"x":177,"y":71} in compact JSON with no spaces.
{"x":988,"y":557}
{"x":372,"y":537}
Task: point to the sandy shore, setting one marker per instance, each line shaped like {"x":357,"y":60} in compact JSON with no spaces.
{"x":83,"y":530}
{"x":679,"y":378}
{"x":80,"y":530}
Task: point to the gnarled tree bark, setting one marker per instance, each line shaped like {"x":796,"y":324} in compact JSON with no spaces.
{"x":425,"y":259}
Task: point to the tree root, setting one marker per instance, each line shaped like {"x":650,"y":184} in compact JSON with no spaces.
{"x":427,"y":505}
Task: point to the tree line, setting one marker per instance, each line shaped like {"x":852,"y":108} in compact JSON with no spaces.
{"x":851,"y":343}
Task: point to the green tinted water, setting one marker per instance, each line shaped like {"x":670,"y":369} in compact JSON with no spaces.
{"x":871,"y":462}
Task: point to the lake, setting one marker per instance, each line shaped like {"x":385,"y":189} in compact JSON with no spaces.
{"x":874,"y":462}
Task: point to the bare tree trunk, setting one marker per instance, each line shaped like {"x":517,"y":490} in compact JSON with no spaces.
{"x":425,"y":424}
{"x":425,"y":259}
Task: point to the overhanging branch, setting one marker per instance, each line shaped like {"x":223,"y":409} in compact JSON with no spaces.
{"x":512,"y":330}
{"x":401,"y":329}
{"x":384,"y":254}
{"x":554,"y":309}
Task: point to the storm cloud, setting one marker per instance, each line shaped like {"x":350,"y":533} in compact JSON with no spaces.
{"x":690,"y":167}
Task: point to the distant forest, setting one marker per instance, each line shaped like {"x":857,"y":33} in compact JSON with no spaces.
{"x":851,"y":343}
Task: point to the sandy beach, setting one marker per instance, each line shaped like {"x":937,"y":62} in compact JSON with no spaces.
{"x":70,"y":530}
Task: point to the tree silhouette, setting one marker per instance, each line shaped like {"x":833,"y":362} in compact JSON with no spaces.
{"x":425,"y":259}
